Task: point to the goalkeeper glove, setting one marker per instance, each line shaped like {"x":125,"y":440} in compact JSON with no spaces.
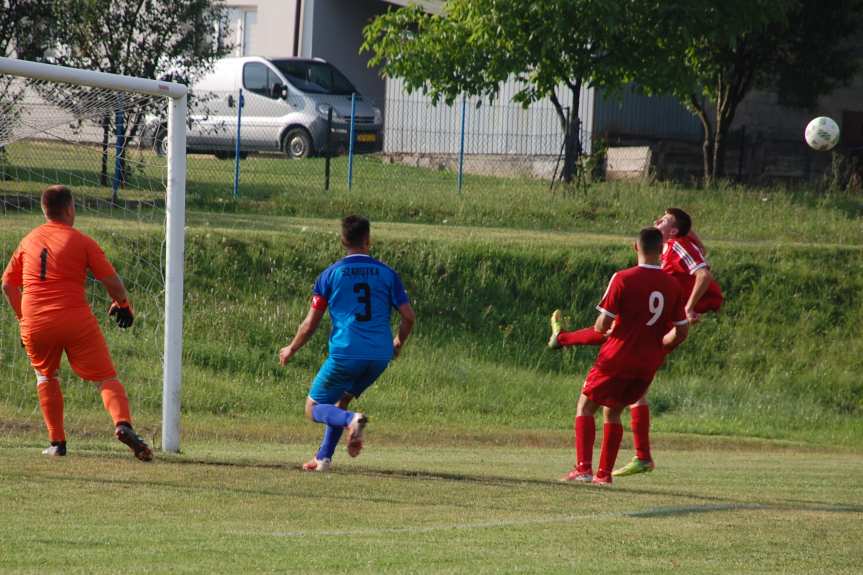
{"x":122,"y":312}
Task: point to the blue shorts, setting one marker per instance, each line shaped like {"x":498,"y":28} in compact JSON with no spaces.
{"x":339,"y":376}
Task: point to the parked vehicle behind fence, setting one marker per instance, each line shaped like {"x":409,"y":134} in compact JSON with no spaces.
{"x":286,"y":103}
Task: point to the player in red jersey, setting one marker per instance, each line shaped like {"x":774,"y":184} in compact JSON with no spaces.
{"x":643,"y":314}
{"x":44,"y":284}
{"x":683,"y":258}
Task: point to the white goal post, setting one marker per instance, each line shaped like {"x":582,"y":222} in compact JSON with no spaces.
{"x":175,"y":206}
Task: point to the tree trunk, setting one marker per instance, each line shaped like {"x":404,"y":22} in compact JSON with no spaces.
{"x":707,"y":152}
{"x":572,"y":145}
{"x":720,"y":145}
{"x":571,"y":126}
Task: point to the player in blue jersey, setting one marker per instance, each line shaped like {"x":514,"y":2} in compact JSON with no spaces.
{"x":361,"y":293}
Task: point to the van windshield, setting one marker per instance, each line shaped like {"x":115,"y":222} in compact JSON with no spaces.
{"x":315,"y":77}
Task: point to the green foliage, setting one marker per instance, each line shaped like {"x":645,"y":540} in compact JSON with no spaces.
{"x":476,"y":45}
{"x":144,"y":38}
{"x":719,"y":51}
{"x":23,"y":29}
{"x":545,"y":46}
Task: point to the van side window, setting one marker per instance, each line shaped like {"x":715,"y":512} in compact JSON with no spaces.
{"x":258,"y":78}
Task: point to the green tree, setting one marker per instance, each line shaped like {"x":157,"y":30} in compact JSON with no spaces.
{"x":143,"y":38}
{"x":547,"y":46}
{"x":22,"y":32}
{"x":22,"y":35}
{"x":717,"y":51}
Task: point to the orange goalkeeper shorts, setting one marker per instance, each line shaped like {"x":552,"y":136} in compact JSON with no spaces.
{"x":75,"y":332}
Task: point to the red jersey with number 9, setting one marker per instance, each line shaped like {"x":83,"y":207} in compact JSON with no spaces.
{"x":51,"y":264}
{"x":645,"y":303}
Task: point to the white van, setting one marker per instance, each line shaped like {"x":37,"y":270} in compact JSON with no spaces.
{"x":286,"y":103}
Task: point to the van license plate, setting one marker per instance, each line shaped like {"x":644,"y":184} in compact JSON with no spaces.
{"x":365,"y":137}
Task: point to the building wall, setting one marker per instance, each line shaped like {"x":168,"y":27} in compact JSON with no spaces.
{"x":633,"y":115}
{"x":761,"y":114}
{"x":336,"y":37}
{"x":329,"y":29}
{"x":273,"y":27}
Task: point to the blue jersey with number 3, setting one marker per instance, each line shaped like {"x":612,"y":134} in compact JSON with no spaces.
{"x":361,"y":293}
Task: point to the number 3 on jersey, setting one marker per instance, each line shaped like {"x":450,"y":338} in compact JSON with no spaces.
{"x":364,"y":296}
{"x":655,"y":305}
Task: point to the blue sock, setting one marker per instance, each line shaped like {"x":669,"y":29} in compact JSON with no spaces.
{"x":329,"y":443}
{"x":332,"y":415}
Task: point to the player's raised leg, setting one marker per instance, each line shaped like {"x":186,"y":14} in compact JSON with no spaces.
{"x":560,"y":338}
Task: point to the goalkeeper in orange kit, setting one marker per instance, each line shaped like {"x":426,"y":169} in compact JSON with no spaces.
{"x":44,"y":284}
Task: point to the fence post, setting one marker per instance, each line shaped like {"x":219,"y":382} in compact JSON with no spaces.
{"x":351,"y":141}
{"x":120,"y":132}
{"x":461,"y":144}
{"x":240,"y":103}
{"x":327,"y":149}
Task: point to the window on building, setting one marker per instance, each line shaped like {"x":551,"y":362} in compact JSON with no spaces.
{"x":238,"y":31}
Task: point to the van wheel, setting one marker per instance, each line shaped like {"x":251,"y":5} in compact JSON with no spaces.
{"x":297,"y":143}
{"x":160,"y":142}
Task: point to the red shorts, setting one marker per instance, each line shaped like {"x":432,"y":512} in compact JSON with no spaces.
{"x":711,"y":300}
{"x":77,"y":334}
{"x":614,"y":391}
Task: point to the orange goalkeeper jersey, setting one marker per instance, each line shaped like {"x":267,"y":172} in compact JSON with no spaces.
{"x":51,"y":264}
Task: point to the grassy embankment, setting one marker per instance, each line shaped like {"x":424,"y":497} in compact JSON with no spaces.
{"x":782,"y":361}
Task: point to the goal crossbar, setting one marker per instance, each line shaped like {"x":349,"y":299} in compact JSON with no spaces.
{"x":175,"y":207}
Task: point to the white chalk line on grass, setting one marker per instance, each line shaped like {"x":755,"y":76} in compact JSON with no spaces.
{"x":558,"y":519}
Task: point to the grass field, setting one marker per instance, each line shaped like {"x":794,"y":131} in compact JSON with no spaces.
{"x":758,"y":417}
{"x":712,"y":506}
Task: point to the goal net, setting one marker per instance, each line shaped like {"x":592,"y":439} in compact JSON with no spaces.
{"x":119,"y":144}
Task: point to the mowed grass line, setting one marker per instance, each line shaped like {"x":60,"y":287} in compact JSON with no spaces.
{"x":231,"y":507}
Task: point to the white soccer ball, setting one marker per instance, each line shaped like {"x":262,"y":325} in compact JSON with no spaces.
{"x":822,"y":134}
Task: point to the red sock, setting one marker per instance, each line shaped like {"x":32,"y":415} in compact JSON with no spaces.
{"x":612,"y":434}
{"x":640,"y":423}
{"x":51,"y":402}
{"x":586,"y":336}
{"x":116,"y":402}
{"x":585,"y":437}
